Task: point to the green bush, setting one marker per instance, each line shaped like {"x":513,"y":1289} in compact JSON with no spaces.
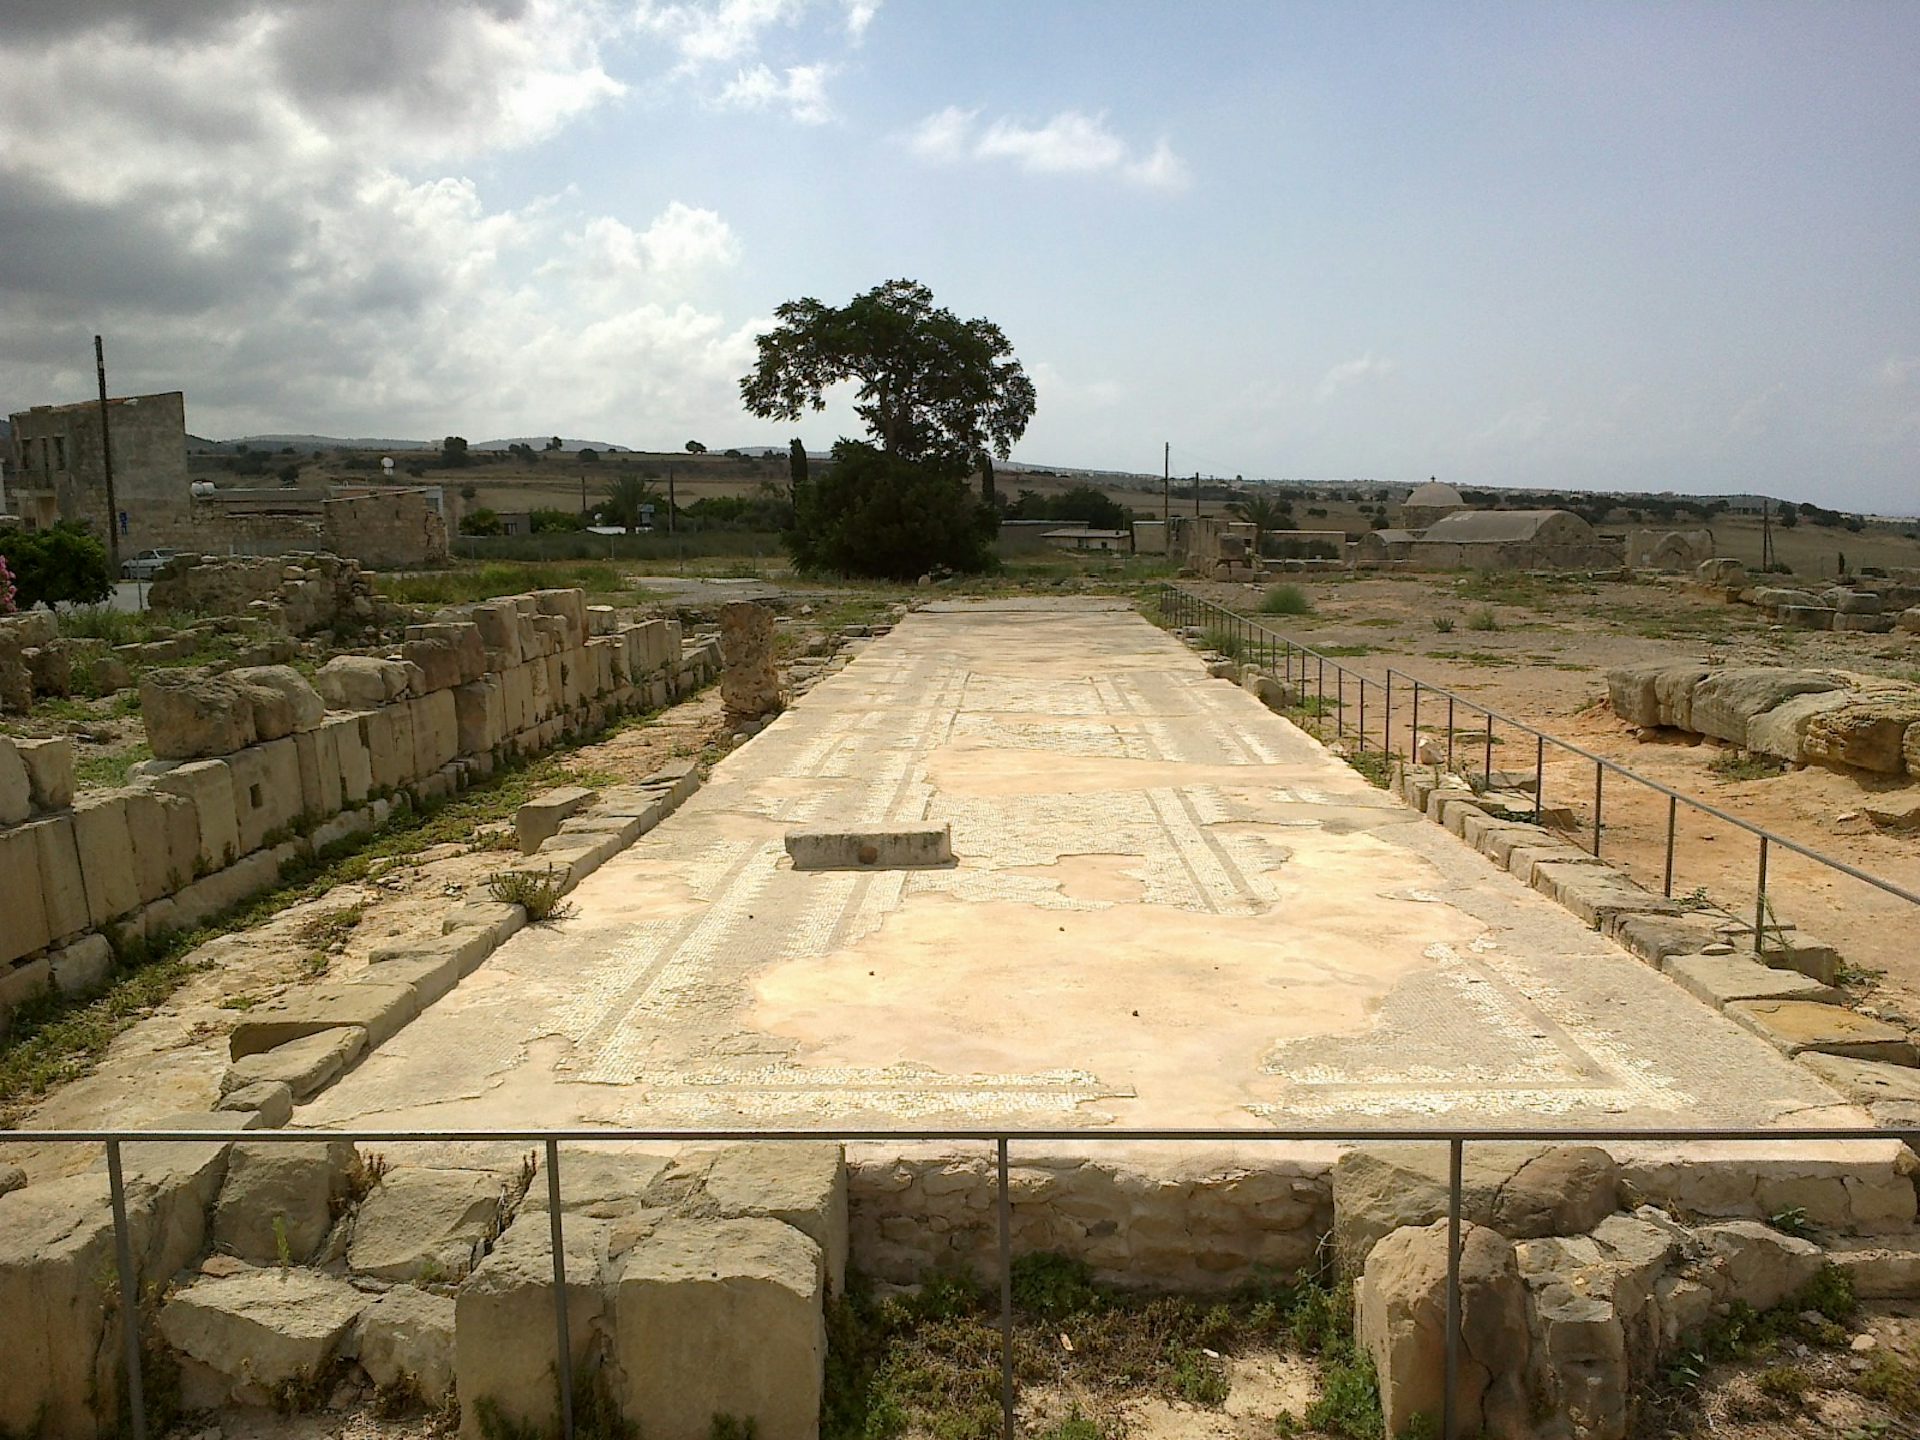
{"x":61,"y":565}
{"x":878,"y":515}
{"x":1285,"y":600}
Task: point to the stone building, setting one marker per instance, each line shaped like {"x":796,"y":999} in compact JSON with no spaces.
{"x":1513,"y":540}
{"x":1428,"y":503}
{"x":1668,"y":549}
{"x":387,"y":529}
{"x":59,"y":471}
{"x":1378,"y":548}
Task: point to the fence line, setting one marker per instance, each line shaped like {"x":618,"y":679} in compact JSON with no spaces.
{"x":1182,"y":607}
{"x":1456,"y":1138}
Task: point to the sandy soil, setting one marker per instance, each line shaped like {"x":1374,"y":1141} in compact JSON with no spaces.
{"x":1546,"y":664}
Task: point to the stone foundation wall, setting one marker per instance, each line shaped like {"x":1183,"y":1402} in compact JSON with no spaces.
{"x":257,"y":768}
{"x":299,"y":593}
{"x":389,"y":530}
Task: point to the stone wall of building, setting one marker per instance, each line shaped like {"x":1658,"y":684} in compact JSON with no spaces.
{"x":387,"y":529}
{"x":299,"y":593}
{"x":256,"y":768}
{"x":62,"y":476}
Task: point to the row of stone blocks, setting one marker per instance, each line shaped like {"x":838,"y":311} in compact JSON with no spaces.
{"x":695,"y":1284}
{"x":189,"y":839}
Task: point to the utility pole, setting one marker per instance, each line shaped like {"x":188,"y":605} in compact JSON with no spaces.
{"x":106,"y":463}
{"x":1166,"y":491}
{"x":1766,"y":536}
{"x":1196,"y":494}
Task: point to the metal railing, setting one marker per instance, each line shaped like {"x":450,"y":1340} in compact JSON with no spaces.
{"x":1297,"y":665}
{"x":1456,"y":1139}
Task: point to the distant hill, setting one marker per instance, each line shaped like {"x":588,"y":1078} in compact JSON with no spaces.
{"x":304,"y":442}
{"x":539,"y":442}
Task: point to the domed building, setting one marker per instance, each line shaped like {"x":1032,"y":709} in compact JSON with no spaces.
{"x":1428,"y":503}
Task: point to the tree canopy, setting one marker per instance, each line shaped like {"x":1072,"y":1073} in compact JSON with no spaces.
{"x":61,"y":563}
{"x":932,"y":388}
{"x":877,"y":514}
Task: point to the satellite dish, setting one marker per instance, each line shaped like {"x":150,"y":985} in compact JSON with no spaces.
{"x":386,"y":464}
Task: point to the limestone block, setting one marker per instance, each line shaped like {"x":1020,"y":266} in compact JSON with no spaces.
{"x":1596,"y":893}
{"x":1781,"y":732}
{"x":106,"y":855}
{"x":1759,"y":1264}
{"x":225,"y":888}
{"x":278,"y":1201}
{"x":23,"y":981}
{"x":436,"y":731}
{"x":317,"y":752}
{"x":425,"y":1222}
{"x":544,"y":690}
{"x":1881,"y":1268}
{"x":1524,"y":1191}
{"x":538,"y":820}
{"x":306,"y":1065}
{"x":803,"y":1185}
{"x":271,"y":1100}
{"x":62,"y":885}
{"x":16,"y":789}
{"x":189,"y":715}
{"x":479,"y":717}
{"x":387,"y":736}
{"x":508,"y":1301}
{"x":556,"y":684}
{"x":1909,"y":620}
{"x":82,"y":968}
{"x":1852,"y":602}
{"x":1658,"y":938}
{"x":463,"y":638}
{"x":671,"y":642}
{"x":349,"y":746}
{"x":1808,"y":617}
{"x":570,"y":606}
{"x":298,"y":705}
{"x":1796,"y":1026}
{"x":498,"y":622}
{"x":253,"y":1334}
{"x":1728,"y":699}
{"x":1630,"y":693}
{"x":1522,"y":860}
{"x":600,"y":666}
{"x":750,"y":682}
{"x":208,"y":786}
{"x":516,"y":698}
{"x":1862,"y":624}
{"x":1720,"y":979}
{"x":266,"y":791}
{"x":718,"y":1317}
{"x":1867,"y":1082}
{"x":1400,"y":1309}
{"x":1864,"y":734}
{"x":147,"y":813}
{"x":890,"y":848}
{"x":24,"y":927}
{"x":49,"y":765}
{"x":406,"y":1340}
{"x":360,"y":682}
{"x":378,"y":1008}
{"x":437,"y":661}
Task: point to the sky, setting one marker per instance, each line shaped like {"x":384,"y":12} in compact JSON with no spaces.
{"x":1623,"y":246}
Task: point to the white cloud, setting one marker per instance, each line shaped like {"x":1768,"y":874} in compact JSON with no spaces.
{"x":1352,"y":372}
{"x":1071,"y":143}
{"x":860,"y":15}
{"x":800,"y":89}
{"x":718,"y":33}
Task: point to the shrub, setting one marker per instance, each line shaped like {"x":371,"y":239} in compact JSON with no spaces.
{"x":1443,"y":623}
{"x":878,"y":515}
{"x":1483,"y":619}
{"x":538,"y":893}
{"x":63,"y":564}
{"x":1285,"y":600}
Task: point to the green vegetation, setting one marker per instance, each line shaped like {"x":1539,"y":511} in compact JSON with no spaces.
{"x":109,"y":769}
{"x":59,"y":565}
{"x":539,"y":894}
{"x":1354,"y":649}
{"x":1483,"y":619}
{"x":927,"y":1363}
{"x":1226,"y":642}
{"x":1443,"y":624}
{"x":1745,"y":765}
{"x":483,"y":582}
{"x":1082,"y":505}
{"x":877,"y":514}
{"x":1285,"y":600}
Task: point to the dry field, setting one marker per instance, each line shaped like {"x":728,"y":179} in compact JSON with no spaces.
{"x":1538,"y":650}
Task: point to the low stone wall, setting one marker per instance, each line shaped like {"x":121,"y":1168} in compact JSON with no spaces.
{"x":1873,"y":604}
{"x":299,"y":593}
{"x":257,"y":768}
{"x":1834,"y":718}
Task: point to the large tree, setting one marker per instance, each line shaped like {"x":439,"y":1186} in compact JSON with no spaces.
{"x":932,"y":388}
{"x":871,"y":513}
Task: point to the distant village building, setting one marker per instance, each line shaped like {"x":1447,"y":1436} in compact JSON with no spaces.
{"x":1513,"y":540}
{"x":59,"y":471}
{"x":1428,"y":503}
{"x":1383,"y":547}
{"x":1082,"y":537}
{"x":1668,"y":549}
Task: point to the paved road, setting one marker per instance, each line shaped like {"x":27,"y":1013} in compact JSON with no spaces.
{"x":1171,"y":908}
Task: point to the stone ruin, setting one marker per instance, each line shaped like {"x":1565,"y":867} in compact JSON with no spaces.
{"x":1870,"y":604}
{"x":1219,"y":549}
{"x":300,"y":594}
{"x":749,"y":678}
{"x":256,"y":767}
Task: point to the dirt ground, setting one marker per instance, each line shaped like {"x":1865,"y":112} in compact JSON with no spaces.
{"x":1544,"y":662}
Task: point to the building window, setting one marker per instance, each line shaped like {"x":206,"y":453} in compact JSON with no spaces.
{"x":59,"y":452}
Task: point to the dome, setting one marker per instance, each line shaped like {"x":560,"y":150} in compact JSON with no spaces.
{"x":1433,"y":493}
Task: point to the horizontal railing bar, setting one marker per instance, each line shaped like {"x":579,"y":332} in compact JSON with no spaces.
{"x":1773,"y":837}
{"x":1437,"y":1133}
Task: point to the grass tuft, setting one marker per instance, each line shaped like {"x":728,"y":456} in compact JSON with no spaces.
{"x":1285,"y":600}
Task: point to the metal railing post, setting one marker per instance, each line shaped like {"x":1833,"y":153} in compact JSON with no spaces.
{"x":1386,"y":728}
{"x":1006,"y":1298}
{"x":1449,"y":730}
{"x":1760,"y":903}
{"x":1599,"y":774}
{"x":1487,"y":766}
{"x":1413,"y":738}
{"x":1673,"y":807}
{"x":1339,"y":701}
{"x":1363,"y":713}
{"x":563,"y":1362}
{"x":1320,"y":689}
{"x":1448,"y":1418}
{"x":129,"y":1295}
{"x":1539,"y":775}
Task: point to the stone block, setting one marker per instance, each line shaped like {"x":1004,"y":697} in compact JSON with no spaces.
{"x":306,"y":1065}
{"x":190,"y":716}
{"x":271,"y":1100}
{"x":1758,"y":1264}
{"x":225,"y":888}
{"x":406,"y":1340}
{"x":802,"y":1185}
{"x":437,"y":663}
{"x":463,"y":638}
{"x":538,"y":820}
{"x":49,"y":765}
{"x":147,"y":814}
{"x":498,"y":622}
{"x":106,"y":855}
{"x":1863,"y":734}
{"x":62,"y":885}
{"x":516,"y":698}
{"x":318,"y":753}
{"x":889,"y":848}
{"x":387,"y":737}
{"x":266,"y":792}
{"x":507,"y":1301}
{"x":22,"y":981}
{"x":349,"y":749}
{"x":1782,"y":731}
{"x":479,"y":717}
{"x":284,"y":703}
{"x":1727,"y":699}
{"x":16,"y":789}
{"x":1596,"y":893}
{"x":436,"y":731}
{"x":82,"y":968}
{"x":1522,"y":860}
{"x":360,"y":682}
{"x":570,"y":607}
{"x":208,"y":786}
{"x":426,"y":1222}
{"x":1807,"y":617}
{"x":1721,"y":979}
{"x":716,"y":1317}
{"x":279,"y":1201}
{"x":1796,"y":1026}
{"x":378,"y":1008}
{"x":24,"y":926}
{"x":248,"y":1338}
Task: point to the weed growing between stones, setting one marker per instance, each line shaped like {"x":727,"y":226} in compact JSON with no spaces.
{"x":1745,"y":765}
{"x":927,"y":1361}
{"x":1225,"y":642}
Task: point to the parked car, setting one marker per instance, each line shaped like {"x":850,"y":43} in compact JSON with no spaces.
{"x":146,"y":564}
